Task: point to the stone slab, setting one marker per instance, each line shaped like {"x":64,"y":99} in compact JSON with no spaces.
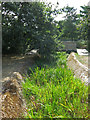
{"x":82,"y":52}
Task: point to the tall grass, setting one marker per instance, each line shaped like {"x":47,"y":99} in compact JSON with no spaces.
{"x":53,"y":92}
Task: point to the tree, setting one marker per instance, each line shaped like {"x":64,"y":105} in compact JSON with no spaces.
{"x":82,"y":26}
{"x":84,"y":22}
{"x":69,"y":30}
{"x":70,"y":13}
{"x":88,"y":9}
{"x":28,"y":26}
{"x":11,"y":30}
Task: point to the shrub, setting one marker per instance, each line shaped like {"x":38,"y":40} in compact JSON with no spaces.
{"x":82,"y":44}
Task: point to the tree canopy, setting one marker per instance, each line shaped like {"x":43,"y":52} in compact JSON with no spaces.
{"x":31,"y":25}
{"x":28,"y":26}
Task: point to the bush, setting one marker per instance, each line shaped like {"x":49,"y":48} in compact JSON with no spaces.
{"x":30,"y":27}
{"x":82,"y":44}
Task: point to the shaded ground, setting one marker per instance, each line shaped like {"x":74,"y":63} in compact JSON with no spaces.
{"x":12,"y":64}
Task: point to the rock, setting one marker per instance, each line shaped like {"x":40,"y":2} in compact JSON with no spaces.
{"x":13,"y":104}
{"x":8,"y":86}
{"x":34,"y":53}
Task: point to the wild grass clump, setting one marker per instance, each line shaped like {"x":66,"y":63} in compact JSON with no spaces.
{"x":53,"y":92}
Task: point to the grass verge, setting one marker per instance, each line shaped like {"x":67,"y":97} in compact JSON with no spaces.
{"x":52,"y":92}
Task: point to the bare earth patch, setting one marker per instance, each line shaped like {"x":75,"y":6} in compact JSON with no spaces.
{"x":12,"y":64}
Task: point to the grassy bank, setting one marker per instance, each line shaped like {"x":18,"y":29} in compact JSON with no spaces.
{"x":51,"y":91}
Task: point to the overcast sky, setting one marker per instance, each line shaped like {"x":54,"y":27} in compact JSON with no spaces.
{"x":72,"y":3}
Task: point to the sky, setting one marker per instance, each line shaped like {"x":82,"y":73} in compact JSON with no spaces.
{"x":72,"y":3}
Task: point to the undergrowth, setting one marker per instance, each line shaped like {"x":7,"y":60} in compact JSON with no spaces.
{"x":51,"y":91}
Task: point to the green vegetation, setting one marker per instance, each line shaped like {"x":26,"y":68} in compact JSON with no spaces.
{"x":50,"y":89}
{"x":27,"y":26}
{"x":31,"y":25}
{"x":82,"y":44}
{"x":53,"y":92}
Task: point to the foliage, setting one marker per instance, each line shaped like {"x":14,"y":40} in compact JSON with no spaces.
{"x":75,"y":26}
{"x":28,"y":26}
{"x":70,"y":13}
{"x":82,"y":44}
{"x":69,"y":30}
{"x":53,"y":92}
{"x":83,"y":25}
{"x":88,"y":34}
{"x":68,"y":26}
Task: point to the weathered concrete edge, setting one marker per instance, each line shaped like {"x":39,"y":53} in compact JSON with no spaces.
{"x":81,"y":71}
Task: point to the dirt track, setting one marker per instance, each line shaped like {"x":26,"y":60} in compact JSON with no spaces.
{"x":12,"y":64}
